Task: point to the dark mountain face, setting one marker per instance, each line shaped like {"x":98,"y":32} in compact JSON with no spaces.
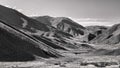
{"x":64,"y":24}
{"x":17,"y":46}
{"x":30,"y":26}
{"x":16,"y":19}
{"x":24,"y":23}
{"x":15,"y":43}
{"x":9,"y":48}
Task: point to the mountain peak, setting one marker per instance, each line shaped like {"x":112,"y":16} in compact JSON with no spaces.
{"x":63,"y":23}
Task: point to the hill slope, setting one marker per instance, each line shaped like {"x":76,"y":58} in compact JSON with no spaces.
{"x":17,"y":30}
{"x":16,"y":45}
{"x":62,"y":23}
{"x":110,"y":36}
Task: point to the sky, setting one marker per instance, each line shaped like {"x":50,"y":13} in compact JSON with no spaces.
{"x":85,"y":12}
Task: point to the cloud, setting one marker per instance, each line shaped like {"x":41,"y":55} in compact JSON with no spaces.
{"x":94,"y":21}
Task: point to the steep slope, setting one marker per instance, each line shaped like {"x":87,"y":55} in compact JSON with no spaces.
{"x":26,"y":24}
{"x":59,"y":32}
{"x":56,"y":35}
{"x":16,"y":19}
{"x":64,"y":24}
{"x":18,"y":46}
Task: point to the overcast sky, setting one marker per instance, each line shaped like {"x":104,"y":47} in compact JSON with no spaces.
{"x":85,"y":12}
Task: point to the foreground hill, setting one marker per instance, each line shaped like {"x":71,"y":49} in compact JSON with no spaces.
{"x":16,"y":19}
{"x":28,"y":25}
{"x":23,"y":38}
{"x":16,"y":40}
{"x":18,"y":46}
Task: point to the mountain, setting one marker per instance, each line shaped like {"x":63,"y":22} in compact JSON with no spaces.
{"x":96,"y":30}
{"x":44,"y":19}
{"x":62,"y":30}
{"x":92,"y":32}
{"x":16,"y":38}
{"x":62,"y":23}
{"x":17,"y":19}
{"x":18,"y":46}
{"x":26,"y":24}
{"x":110,"y":36}
{"x":54,"y":33}
{"x":25,"y":38}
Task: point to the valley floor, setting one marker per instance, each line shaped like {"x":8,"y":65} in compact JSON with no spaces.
{"x":70,"y":61}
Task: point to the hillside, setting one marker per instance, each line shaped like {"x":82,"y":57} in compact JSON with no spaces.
{"x":16,"y":37}
{"x":18,"y":46}
{"x":110,"y":36}
{"x":97,"y":30}
{"x":62,"y":23}
{"x":23,"y":38}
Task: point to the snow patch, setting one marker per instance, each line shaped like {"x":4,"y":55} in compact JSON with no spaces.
{"x":25,"y":22}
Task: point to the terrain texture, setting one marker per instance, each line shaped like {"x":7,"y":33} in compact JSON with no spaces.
{"x":55,"y":42}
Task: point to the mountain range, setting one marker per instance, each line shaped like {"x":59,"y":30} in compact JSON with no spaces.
{"x":24,"y":38}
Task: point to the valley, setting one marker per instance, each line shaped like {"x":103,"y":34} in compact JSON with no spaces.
{"x":55,"y":42}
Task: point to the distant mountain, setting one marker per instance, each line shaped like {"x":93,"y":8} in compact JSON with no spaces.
{"x":110,"y":36}
{"x":62,"y":23}
{"x":97,"y":30}
{"x":92,"y":32}
{"x":63,"y":30}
